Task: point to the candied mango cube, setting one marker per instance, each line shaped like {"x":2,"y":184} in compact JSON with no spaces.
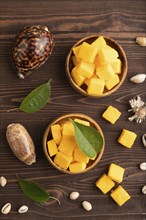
{"x":62,"y":160}
{"x":111,"y":114}
{"x":99,"y":43}
{"x":78,"y":78}
{"x":56,"y":133}
{"x":97,"y":62}
{"x":85,"y":69}
{"x":52,"y":147}
{"x":104,"y":183}
{"x":79,"y":156}
{"x":76,"y":51}
{"x":87,"y":52}
{"x":112,"y":82}
{"x":117,"y":66}
{"x":120,"y":196}
{"x":107,"y":55}
{"x":74,"y":60}
{"x":116,"y":172}
{"x":67,"y":145}
{"x":87,"y":123}
{"x":87,"y":81}
{"x":96,"y":86}
{"x":127,"y":138}
{"x":77,"y":167}
{"x":68,"y":129}
{"x":105,"y":72}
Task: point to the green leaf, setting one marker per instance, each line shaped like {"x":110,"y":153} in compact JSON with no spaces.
{"x":36,"y":99}
{"x":34,"y":191}
{"x":88,"y":139}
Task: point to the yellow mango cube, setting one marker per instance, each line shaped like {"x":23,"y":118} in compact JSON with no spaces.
{"x":74,"y":60}
{"x":107,"y":55}
{"x":117,"y":66}
{"x":85,"y":69}
{"x":99,"y":43}
{"x":127,"y":138}
{"x":111,"y":114}
{"x":78,"y":78}
{"x":120,"y":196}
{"x":87,"y":81}
{"x":77,"y":167}
{"x":67,"y":145}
{"x":52,"y":147}
{"x":104,"y":183}
{"x":68,"y":129}
{"x":97,"y":62}
{"x":87,"y":123}
{"x":87,"y":52}
{"x":105,"y":72}
{"x":62,"y":160}
{"x":56,"y":133}
{"x":116,"y":172}
{"x":76,"y":52}
{"x":112,"y":82}
{"x":96,"y":86}
{"x":79,"y":156}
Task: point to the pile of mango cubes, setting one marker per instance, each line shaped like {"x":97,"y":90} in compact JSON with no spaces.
{"x":63,"y":148}
{"x":96,"y":65}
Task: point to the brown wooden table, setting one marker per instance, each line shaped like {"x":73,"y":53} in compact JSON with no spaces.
{"x":69,"y":21}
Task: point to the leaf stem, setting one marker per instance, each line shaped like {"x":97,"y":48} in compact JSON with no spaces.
{"x":13,"y":109}
{"x":52,"y":197}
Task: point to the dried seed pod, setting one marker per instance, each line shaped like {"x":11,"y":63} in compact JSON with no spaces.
{"x":32,"y":47}
{"x":74,"y":195}
{"x":23,"y":209}
{"x":139,"y":78}
{"x":6,"y":208}
{"x":87,"y":205}
{"x":3,"y":181}
{"x":21,"y":143}
{"x":141,"y":41}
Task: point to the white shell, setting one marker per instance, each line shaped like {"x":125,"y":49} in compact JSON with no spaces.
{"x":141,"y":41}
{"x":74,"y":195}
{"x":23,"y":209}
{"x":3,"y":181}
{"x":143,"y":166}
{"x":87,"y":205}
{"x":139,"y":78}
{"x":144,"y":189}
{"x":6,"y":208}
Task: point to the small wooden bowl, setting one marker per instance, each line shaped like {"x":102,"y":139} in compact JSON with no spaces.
{"x":47,"y":136}
{"x":69,"y":66}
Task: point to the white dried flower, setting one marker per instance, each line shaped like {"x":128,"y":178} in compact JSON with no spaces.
{"x":138,"y":107}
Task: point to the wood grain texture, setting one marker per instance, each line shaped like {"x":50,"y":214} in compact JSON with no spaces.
{"x":69,"y":21}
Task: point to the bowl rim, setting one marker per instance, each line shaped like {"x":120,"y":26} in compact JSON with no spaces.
{"x":79,"y":89}
{"x":61,"y":118}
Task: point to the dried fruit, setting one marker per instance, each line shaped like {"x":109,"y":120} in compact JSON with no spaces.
{"x":3,"y":181}
{"x":139,"y":78}
{"x":87,"y":205}
{"x":21,"y":143}
{"x":141,"y":41}
{"x":23,"y":209}
{"x":32,"y":47}
{"x":143,"y":166}
{"x":74,"y":195}
{"x":6,"y":208}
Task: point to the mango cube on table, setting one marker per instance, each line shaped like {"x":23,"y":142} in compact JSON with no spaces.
{"x":85,"y":69}
{"x":105,"y":72}
{"x":96,"y":86}
{"x":111,"y":114}
{"x":79,"y":156}
{"x":116,"y":172}
{"x":87,"y":52}
{"x":117,"y":66}
{"x":76,"y":167}
{"x":107,"y":55}
{"x":52,"y":147}
{"x":67,"y":145}
{"x":104,"y":183}
{"x":78,"y":78}
{"x":99,"y":43}
{"x":120,"y":196}
{"x":62,"y":160}
{"x":112,"y":82}
{"x":56,"y":133}
{"x":127,"y":138}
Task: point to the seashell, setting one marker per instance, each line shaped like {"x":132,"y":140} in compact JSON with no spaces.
{"x":23,"y":209}
{"x":32,"y":47}
{"x":139,"y":78}
{"x":21,"y":143}
{"x":6,"y":208}
{"x":141,"y":41}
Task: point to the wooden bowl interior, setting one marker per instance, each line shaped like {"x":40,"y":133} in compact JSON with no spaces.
{"x":48,"y":136}
{"x":122,"y":56}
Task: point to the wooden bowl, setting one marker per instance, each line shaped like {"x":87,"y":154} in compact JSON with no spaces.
{"x":69,"y":66}
{"x":47,"y":136}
